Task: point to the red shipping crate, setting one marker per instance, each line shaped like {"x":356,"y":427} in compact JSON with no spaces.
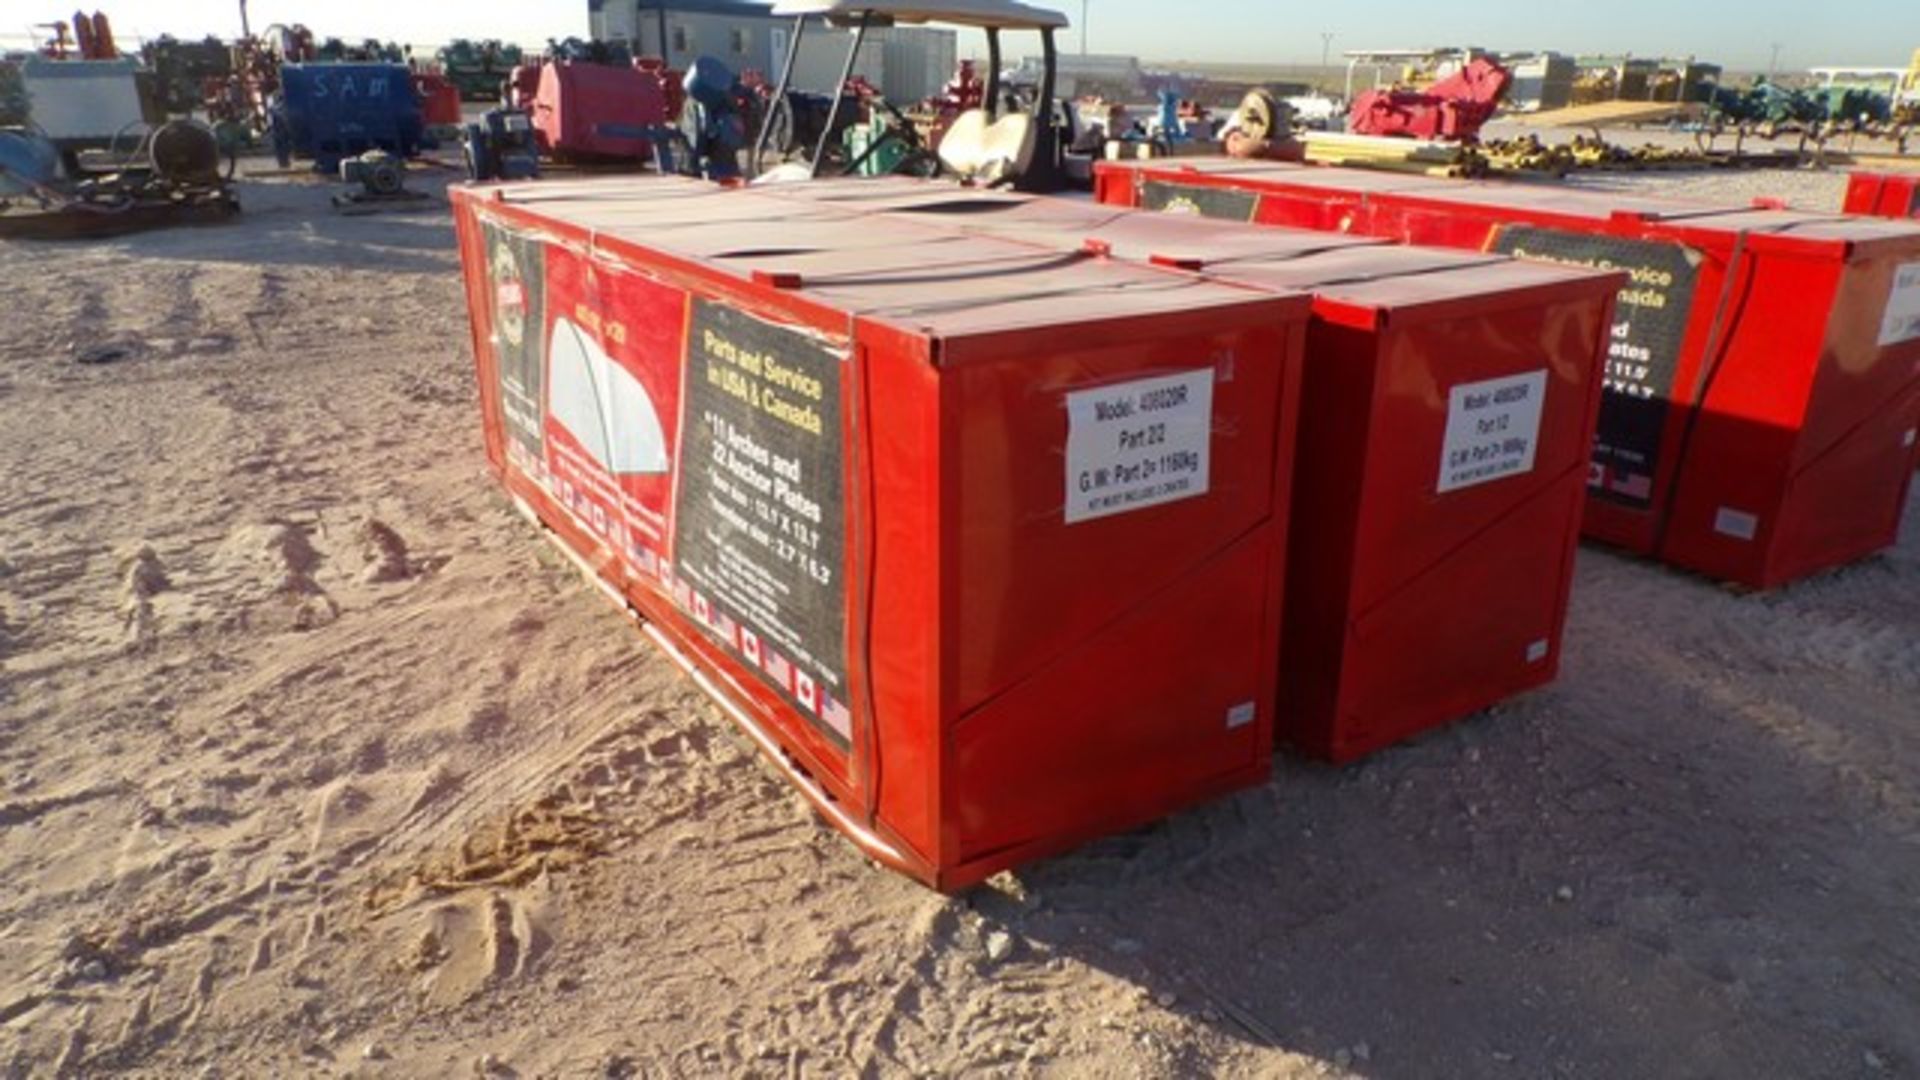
{"x":1446,"y":419}
{"x":1447,"y":412}
{"x":979,"y":543}
{"x":1764,"y":385}
{"x":1890,"y":195}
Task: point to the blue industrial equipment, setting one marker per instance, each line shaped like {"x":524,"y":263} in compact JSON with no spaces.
{"x":501,"y":147}
{"x":332,"y":111}
{"x":714,"y":119}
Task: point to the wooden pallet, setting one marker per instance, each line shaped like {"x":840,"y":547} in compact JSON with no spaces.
{"x":1605,"y":114}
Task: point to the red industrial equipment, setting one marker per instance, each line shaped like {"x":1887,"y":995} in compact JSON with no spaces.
{"x":980,"y":544}
{"x":1447,"y":412}
{"x":1764,"y":381}
{"x":1892,"y":195}
{"x":669,"y":80}
{"x":54,"y":48}
{"x":93,"y":36}
{"x":439,"y":99}
{"x":1454,"y":108}
{"x":966,"y":90}
{"x":584,"y":111}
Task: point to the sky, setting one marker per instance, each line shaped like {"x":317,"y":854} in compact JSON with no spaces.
{"x":1740,"y":34}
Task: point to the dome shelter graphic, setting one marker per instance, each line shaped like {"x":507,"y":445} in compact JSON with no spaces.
{"x":607,"y":411}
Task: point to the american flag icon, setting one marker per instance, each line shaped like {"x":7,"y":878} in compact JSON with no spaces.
{"x":1636,"y":485}
{"x":777,"y":667}
{"x":837,"y":716}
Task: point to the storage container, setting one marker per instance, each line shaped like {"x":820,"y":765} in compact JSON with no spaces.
{"x":1763,"y":387}
{"x":981,"y":543}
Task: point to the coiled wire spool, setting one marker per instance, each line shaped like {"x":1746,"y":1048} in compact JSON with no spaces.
{"x":185,"y":152}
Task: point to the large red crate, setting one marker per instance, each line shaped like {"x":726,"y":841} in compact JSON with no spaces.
{"x":1764,"y":387}
{"x":980,"y":543}
{"x":1889,"y":195}
{"x":1424,"y":583}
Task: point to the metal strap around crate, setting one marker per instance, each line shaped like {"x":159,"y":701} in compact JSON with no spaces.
{"x":1364,"y":279}
{"x":866,"y":580}
{"x":1712,"y":356}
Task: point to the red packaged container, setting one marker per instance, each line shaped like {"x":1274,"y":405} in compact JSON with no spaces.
{"x":1447,"y":412}
{"x":1326,"y":200}
{"x":1764,"y":382}
{"x":1890,"y":195}
{"x":979,"y":543}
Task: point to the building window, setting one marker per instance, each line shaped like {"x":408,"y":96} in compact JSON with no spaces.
{"x":682,"y":42}
{"x":739,"y":42}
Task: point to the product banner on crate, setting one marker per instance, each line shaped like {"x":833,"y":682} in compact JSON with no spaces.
{"x":1643,"y":353}
{"x":516,"y":306}
{"x":759,"y":530}
{"x":587,"y":362}
{"x":1222,"y":203}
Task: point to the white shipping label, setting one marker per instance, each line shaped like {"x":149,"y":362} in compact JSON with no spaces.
{"x":1902,"y":321}
{"x":1241,"y":715}
{"x":1493,"y":429}
{"x":1736,"y":523}
{"x":1137,"y":444}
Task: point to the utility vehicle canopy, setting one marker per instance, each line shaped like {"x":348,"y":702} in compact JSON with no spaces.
{"x":1025,"y":147}
{"x":994,"y":14}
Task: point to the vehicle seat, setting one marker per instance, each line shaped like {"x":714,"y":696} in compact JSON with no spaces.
{"x":1009,"y":147}
{"x":989,"y":153}
{"x":963,"y":147}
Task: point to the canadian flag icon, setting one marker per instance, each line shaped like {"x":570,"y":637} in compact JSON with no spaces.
{"x":804,"y":689}
{"x":750,"y":645}
{"x":702,"y":610}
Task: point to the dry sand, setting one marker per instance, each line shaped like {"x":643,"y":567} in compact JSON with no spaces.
{"x":315,"y":760}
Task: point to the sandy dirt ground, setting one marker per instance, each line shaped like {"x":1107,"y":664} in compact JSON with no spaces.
{"x":316,"y":761}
